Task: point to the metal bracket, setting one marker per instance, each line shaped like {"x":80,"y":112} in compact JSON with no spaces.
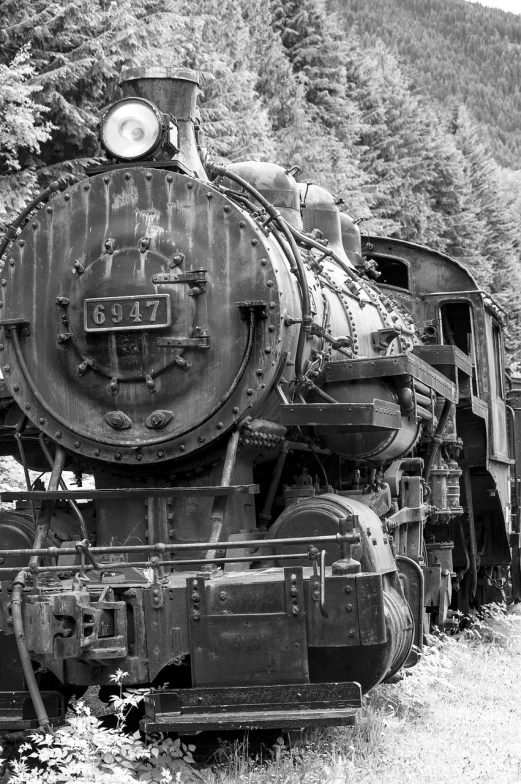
{"x":382,"y":338}
{"x":181,"y":342}
{"x":22,"y":325}
{"x":197,"y":276}
{"x":259,"y":306}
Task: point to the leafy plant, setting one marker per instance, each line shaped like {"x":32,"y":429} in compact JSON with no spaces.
{"x":85,"y":750}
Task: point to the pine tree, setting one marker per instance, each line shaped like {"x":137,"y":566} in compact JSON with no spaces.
{"x":77,"y":49}
{"x":21,"y":129}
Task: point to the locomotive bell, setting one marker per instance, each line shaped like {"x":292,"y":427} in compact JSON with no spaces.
{"x":174,"y":92}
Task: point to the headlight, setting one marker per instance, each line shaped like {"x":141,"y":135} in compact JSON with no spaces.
{"x":131,"y":129}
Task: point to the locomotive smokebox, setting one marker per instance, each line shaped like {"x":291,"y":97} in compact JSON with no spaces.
{"x":174,"y":92}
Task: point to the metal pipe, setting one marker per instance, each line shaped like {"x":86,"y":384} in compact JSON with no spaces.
{"x":12,"y":230}
{"x":115,"y":566}
{"x":161,"y":547}
{"x":47,"y":508}
{"x":323,"y":610}
{"x":221,"y":502}
{"x":423,"y":400}
{"x":323,"y":394}
{"x":25,"y":660}
{"x":73,"y":505}
{"x":473,"y":547}
{"x":423,"y":413}
{"x":437,"y":439}
{"x":419,"y":387}
{"x":20,"y":427}
{"x":265,"y":515}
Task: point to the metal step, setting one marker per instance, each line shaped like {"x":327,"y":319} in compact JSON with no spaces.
{"x":239,"y":707}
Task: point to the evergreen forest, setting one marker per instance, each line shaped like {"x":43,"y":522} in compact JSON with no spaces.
{"x":301,"y":83}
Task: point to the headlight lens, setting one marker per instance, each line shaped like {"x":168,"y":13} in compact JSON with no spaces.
{"x":131,"y":129}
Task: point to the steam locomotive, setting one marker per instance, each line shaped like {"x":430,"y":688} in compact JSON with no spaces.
{"x":300,"y":449}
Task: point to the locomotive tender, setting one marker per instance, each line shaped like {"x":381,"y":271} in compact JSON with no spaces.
{"x":301,"y":449}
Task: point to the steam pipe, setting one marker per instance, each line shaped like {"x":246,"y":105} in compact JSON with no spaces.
{"x":265,"y":515}
{"x":25,"y":659}
{"x":73,"y":505}
{"x":221,"y":502}
{"x":12,"y":229}
{"x":437,"y":439}
{"x":47,"y":509}
{"x":162,"y":547}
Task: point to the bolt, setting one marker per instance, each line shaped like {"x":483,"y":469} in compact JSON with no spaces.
{"x":67,"y":197}
{"x":209,"y":195}
{"x":21,"y":243}
{"x":49,"y":210}
{"x":160,"y":454}
{"x":249,"y":391}
{"x":117,"y":455}
{"x":295,"y":610}
{"x":196,"y":615}
{"x":255,"y":242}
{"x":264,"y":262}
{"x":86,"y":187}
{"x":235,"y":410}
{"x":106,"y":180}
{"x":97,"y":452}
{"x":351,"y":633}
{"x":348,"y":589}
{"x":219,"y":426}
{"x":268,"y":349}
{"x":35,"y":224}
{"x":260,"y":371}
{"x":182,"y":448}
{"x":27,"y":406}
{"x":139,"y":457}
{"x":127,"y":176}
{"x":16,"y":387}
{"x":77,"y":444}
{"x":223,"y":596}
{"x":156,"y":591}
{"x":149,"y":176}
{"x":189,"y":185}
{"x":227,"y":208}
{"x":58,"y":434}
{"x":11,"y":262}
{"x":349,"y":607}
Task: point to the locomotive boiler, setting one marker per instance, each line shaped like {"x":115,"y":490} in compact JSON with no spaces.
{"x":275,"y":425}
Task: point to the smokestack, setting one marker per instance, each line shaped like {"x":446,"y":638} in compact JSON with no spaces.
{"x":173,"y":91}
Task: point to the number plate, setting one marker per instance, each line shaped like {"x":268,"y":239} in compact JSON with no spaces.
{"x":147,"y":311}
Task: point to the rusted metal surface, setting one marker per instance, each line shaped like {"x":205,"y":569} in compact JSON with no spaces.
{"x":254,"y":706}
{"x":380,"y":415}
{"x":381,"y":367}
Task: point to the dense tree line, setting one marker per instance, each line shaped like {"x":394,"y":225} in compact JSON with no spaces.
{"x":457,"y":52}
{"x":281,"y":81}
